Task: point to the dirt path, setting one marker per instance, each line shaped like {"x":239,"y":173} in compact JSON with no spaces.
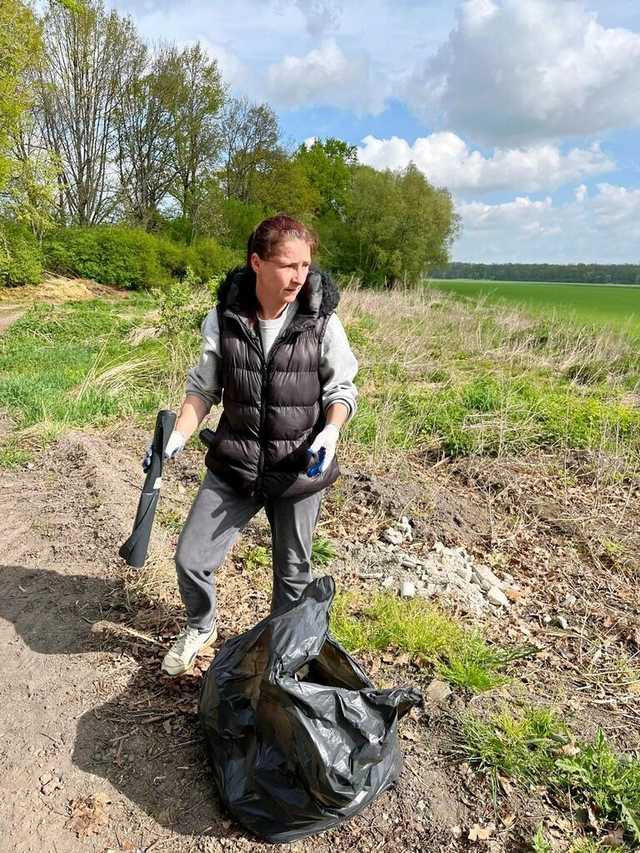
{"x":100,"y":752}
{"x":9,"y":314}
{"x":87,"y":713}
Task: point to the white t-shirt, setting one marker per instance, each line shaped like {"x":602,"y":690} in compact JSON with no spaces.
{"x":269,"y":329}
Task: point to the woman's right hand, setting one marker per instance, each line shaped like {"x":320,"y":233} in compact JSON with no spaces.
{"x":175,"y":445}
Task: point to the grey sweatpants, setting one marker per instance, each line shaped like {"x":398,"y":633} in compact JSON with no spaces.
{"x":214,"y":522}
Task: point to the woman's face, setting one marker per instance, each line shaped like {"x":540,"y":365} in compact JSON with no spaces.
{"x":280,"y":279}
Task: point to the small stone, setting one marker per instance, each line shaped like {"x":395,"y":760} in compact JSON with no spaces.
{"x":438,"y":691}
{"x":560,"y":622}
{"x":485,"y":578}
{"x":51,"y":786}
{"x":388,"y":582}
{"x":465,"y":572}
{"x":407,"y":589}
{"x":45,"y":778}
{"x":570,"y":599}
{"x":496,"y":596}
{"x":405,"y":526}
{"x":395,"y":537}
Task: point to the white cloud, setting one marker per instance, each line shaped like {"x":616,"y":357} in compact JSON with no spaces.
{"x":581,"y":193}
{"x":326,"y":76}
{"x":446,"y":160}
{"x":540,"y":69}
{"x":604,"y":228}
{"x":321,"y":17}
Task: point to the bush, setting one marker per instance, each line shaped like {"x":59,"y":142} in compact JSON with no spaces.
{"x":133,"y":258}
{"x":208,"y":259}
{"x":128,"y":257}
{"x":20,"y":256}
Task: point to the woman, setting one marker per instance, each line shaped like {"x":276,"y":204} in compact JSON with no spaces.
{"x":277,"y":356}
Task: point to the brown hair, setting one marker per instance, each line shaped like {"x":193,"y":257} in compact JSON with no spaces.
{"x":266,"y":237}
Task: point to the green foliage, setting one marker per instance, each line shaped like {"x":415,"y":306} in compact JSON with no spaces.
{"x":457,"y":655}
{"x":539,"y":843}
{"x":20,"y":256}
{"x":396,"y":226}
{"x":13,"y":456}
{"x":20,"y":48}
{"x":256,"y":557}
{"x":599,"y":778}
{"x":184,"y":306}
{"x":328,"y":166}
{"x":133,"y":258}
{"x":109,"y":254}
{"x":537,"y":748}
{"x":71,"y":365}
{"x":322,"y":551}
{"x":208,"y":259}
{"x":239,"y":220}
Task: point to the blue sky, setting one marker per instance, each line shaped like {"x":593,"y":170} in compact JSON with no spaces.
{"x":527,"y":110}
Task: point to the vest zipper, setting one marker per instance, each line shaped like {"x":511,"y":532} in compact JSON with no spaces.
{"x":284,"y":334}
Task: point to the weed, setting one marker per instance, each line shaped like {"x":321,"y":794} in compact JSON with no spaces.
{"x":13,"y":456}
{"x":256,"y":557}
{"x":537,"y":748}
{"x":322,"y":551}
{"x":170,"y":518}
{"x":456,"y":654}
{"x":539,"y":843}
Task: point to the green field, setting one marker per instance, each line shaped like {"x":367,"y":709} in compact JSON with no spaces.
{"x":602,"y":305}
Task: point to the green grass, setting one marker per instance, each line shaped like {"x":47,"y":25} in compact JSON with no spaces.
{"x":322,"y":551}
{"x":537,"y":748}
{"x":466,"y":380}
{"x":454,"y":653}
{"x":72,"y":365}
{"x":598,"y":304}
{"x":256,"y":557}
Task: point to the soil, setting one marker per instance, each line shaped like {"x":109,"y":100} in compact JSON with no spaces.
{"x":101,"y":752}
{"x":118,"y":745}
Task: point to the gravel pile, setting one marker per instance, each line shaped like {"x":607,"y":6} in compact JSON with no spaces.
{"x":447,"y":575}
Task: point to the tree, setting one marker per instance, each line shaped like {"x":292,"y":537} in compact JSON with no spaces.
{"x":86,"y":60}
{"x":20,"y":48}
{"x":329,"y":168}
{"x":144,"y":124}
{"x":32,"y":186}
{"x":249,"y":142}
{"x":195,"y":95}
{"x":396,"y":226}
{"x":282,"y":184}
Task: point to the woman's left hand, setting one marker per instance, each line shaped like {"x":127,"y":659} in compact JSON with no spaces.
{"x":324,"y":449}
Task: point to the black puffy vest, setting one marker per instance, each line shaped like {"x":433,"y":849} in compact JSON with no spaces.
{"x":271,"y":408}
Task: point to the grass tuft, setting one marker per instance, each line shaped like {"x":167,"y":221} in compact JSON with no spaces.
{"x":537,"y":748}
{"x":456,"y":654}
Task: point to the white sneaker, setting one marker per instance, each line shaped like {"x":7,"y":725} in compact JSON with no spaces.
{"x":183,"y":652}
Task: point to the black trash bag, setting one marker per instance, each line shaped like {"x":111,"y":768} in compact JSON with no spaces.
{"x":298,"y":736}
{"x":134,"y":550}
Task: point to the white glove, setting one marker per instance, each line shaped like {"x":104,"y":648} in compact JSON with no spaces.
{"x":324,"y":447}
{"x":176,"y":443}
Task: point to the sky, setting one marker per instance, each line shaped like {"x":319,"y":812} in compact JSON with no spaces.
{"x":528,"y":111}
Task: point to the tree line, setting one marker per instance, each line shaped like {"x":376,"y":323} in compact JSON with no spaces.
{"x":99,"y":128}
{"x":571,"y":273}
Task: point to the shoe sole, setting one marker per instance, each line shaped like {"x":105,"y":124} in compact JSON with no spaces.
{"x":189,"y":666}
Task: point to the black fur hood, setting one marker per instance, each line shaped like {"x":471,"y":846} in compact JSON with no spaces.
{"x":318,"y":298}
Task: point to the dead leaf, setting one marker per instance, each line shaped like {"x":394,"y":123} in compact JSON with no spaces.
{"x":480,"y":833}
{"x":88,"y":815}
{"x":614,"y":839}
